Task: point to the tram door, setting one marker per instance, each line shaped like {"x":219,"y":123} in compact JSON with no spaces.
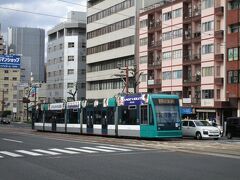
{"x":104,"y":122}
{"x":90,"y":120}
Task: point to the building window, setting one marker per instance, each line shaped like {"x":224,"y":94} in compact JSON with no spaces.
{"x":14,"y":79}
{"x":207,"y":4}
{"x":208,"y":94}
{"x":233,"y":28}
{"x":167,"y":55}
{"x":6,"y":78}
{"x":70,"y":85}
{"x":83,"y":45}
{"x":233,"y":77}
{"x":234,"y":5}
{"x":70,"y":58}
{"x":84,"y":58}
{"x":111,"y":10}
{"x":218,"y":93}
{"x":167,"y":16}
{"x":232,"y":54}
{"x":83,"y":85}
{"x":60,"y":46}
{"x":70,"y":71}
{"x":177,"y":13}
{"x":177,"y":74}
{"x":143,"y":23}
{"x":167,"y":36}
{"x":70,"y":44}
{"x":207,"y":26}
{"x":143,"y":59}
{"x":143,"y":41}
{"x":6,"y":71}
{"x":6,"y":85}
{"x":177,"y":54}
{"x":167,"y":75}
{"x":177,"y":33}
{"x":208,"y":48}
{"x":207,"y":71}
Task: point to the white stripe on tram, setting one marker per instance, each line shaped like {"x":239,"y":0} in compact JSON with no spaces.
{"x":46,"y":152}
{"x":98,"y":149}
{"x":64,"y":151}
{"x":82,"y":150}
{"x":10,"y":154}
{"x":114,"y":148}
{"x":29,"y":153}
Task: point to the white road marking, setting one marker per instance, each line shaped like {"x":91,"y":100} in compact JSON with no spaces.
{"x":98,"y":149}
{"x":64,"y":151}
{"x":1,"y":157}
{"x":46,"y":152}
{"x":10,"y":154}
{"x":29,"y":153}
{"x":114,"y":148}
{"x":11,"y":140}
{"x":82,"y":150}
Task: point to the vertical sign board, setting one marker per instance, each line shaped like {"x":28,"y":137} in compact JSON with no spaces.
{"x":10,"y":61}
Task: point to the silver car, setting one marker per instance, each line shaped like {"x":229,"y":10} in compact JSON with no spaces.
{"x":199,"y":129}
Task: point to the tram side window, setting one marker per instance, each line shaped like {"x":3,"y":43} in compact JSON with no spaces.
{"x":151,"y":121}
{"x":84,"y":116}
{"x":128,"y":115}
{"x":144,"y":119}
{"x":97,"y":117}
{"x":110,"y":115}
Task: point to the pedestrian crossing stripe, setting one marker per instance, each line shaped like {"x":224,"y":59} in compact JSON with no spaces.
{"x":114,"y":148}
{"x":10,"y":154}
{"x":67,"y":150}
{"x":29,"y":153}
{"x":82,"y":150}
{"x":64,"y":151}
{"x":46,"y":152}
{"x":98,"y":149}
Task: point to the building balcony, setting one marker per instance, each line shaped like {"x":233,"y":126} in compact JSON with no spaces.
{"x":188,"y":102}
{"x":154,"y":83}
{"x":192,"y":81}
{"x":219,"y":11}
{"x":191,"y":59}
{"x":154,"y":44}
{"x":218,"y":57}
{"x":218,"y":81}
{"x":190,"y":37}
{"x":219,"y":34}
{"x":155,"y":64}
{"x":154,"y":24}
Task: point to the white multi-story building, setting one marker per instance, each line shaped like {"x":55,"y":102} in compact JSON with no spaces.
{"x":111,"y":38}
{"x":66,"y":59}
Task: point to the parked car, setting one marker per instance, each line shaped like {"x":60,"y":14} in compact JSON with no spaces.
{"x":233,"y":127}
{"x":199,"y":129}
{"x":4,"y":121}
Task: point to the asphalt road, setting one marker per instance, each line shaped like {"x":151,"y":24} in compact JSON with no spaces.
{"x":27,"y":156}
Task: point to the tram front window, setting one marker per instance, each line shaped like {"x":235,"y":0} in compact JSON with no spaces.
{"x":167,"y":115}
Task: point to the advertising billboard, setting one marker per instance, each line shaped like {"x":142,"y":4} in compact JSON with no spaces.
{"x":10,"y":61}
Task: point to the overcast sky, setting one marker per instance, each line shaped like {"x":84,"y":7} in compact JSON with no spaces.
{"x":51,"y":7}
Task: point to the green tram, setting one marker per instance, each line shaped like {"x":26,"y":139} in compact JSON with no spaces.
{"x":133,"y":115}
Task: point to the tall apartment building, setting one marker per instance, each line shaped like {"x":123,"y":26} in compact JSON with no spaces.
{"x":66,"y":59}
{"x":233,"y":55}
{"x":30,"y":44}
{"x":111,"y":38}
{"x":9,"y":79}
{"x":181,"y":51}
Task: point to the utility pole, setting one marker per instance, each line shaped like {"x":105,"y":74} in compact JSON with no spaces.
{"x":127,"y":80}
{"x":3,"y":102}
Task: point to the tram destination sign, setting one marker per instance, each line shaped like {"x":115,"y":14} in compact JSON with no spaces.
{"x":10,"y":61}
{"x":133,"y":100}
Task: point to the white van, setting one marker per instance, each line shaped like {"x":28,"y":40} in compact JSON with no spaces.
{"x":199,"y":129}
